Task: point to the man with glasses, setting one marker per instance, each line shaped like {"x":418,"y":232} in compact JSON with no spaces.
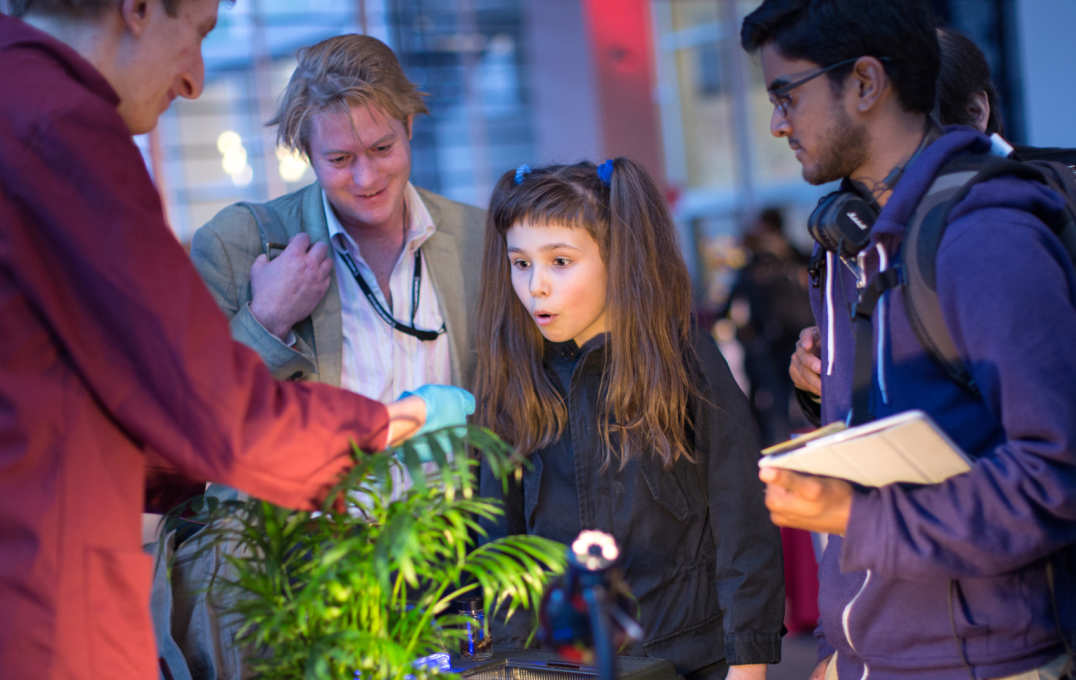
{"x":974,"y":577}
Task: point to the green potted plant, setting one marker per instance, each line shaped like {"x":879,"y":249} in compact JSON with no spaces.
{"x":366,"y":586}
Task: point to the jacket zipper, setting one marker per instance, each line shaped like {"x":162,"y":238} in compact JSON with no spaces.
{"x":846,"y":616}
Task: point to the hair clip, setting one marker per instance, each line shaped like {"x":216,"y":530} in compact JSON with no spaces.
{"x":522,"y":171}
{"x":605,"y":172}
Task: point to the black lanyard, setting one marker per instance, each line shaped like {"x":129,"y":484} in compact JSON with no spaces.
{"x":416,"y":284}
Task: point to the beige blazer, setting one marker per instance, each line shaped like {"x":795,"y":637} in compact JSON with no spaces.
{"x":226,"y":246}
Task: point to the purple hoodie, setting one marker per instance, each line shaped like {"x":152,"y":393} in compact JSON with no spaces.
{"x":932,"y":579}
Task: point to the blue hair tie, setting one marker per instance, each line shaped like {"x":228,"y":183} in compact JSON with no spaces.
{"x":522,"y":171}
{"x":605,"y":172}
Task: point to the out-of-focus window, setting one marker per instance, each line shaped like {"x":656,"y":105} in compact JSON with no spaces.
{"x":721,"y":160}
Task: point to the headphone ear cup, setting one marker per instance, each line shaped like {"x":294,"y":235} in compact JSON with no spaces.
{"x":819,"y":217}
{"x":841,"y":222}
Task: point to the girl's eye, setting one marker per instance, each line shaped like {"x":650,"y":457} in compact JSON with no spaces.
{"x":561,"y":261}
{"x":520,"y":264}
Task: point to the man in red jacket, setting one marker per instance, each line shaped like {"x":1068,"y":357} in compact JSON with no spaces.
{"x":113,"y":348}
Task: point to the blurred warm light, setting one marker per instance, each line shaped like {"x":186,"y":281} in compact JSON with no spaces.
{"x":243,"y":176}
{"x":227,"y":140}
{"x":290,"y":164}
{"x":233,"y":158}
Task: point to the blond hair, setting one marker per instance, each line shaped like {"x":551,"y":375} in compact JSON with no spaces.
{"x":341,"y":72}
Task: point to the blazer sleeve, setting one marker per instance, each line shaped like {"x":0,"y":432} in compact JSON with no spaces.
{"x":750,"y":571}
{"x":223,"y":251}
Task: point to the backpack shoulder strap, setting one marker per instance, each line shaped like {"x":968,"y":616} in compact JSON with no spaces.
{"x":918,"y":254}
{"x":1061,"y":177}
{"x":919,"y":251}
{"x":271,"y":229}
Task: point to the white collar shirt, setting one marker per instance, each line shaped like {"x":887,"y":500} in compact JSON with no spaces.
{"x":378,"y":361}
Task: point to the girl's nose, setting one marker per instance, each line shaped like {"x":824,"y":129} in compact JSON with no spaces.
{"x":539,"y":284}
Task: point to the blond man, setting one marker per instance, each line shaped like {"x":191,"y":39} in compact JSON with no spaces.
{"x":359,"y":280}
{"x":372,"y":290}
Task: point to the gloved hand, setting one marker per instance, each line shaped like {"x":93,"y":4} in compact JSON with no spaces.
{"x":446,"y":405}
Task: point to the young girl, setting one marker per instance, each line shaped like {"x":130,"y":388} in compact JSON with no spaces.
{"x":589,"y":365}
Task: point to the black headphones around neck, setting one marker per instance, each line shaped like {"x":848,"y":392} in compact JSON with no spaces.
{"x":842,"y":220}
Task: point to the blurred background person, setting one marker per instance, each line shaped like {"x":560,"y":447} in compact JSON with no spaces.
{"x":768,"y":304}
{"x":965,"y":91}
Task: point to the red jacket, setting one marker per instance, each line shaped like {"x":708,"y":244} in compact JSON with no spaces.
{"x":112,"y":347}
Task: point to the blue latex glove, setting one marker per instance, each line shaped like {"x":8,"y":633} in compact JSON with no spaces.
{"x":445,"y":405}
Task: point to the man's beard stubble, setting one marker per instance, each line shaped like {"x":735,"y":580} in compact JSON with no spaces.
{"x":842,"y":150}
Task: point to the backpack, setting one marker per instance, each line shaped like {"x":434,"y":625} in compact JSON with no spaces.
{"x":1056,"y":168}
{"x":916,"y":273}
{"x":931,"y":218}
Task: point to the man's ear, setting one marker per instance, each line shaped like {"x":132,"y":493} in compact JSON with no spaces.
{"x":871,"y":82}
{"x":408,"y":125}
{"x":135,"y":15}
{"x":978,"y":109}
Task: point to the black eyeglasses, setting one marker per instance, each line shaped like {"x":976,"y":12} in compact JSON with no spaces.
{"x":779,"y":94}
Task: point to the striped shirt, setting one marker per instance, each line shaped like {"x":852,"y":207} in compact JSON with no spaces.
{"x":378,"y":361}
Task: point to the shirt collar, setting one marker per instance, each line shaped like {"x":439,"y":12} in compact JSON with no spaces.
{"x":420,"y":226}
{"x":569,"y":350}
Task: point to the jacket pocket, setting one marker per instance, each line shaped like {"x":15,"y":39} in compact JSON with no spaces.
{"x":118,"y":625}
{"x":665,"y":490}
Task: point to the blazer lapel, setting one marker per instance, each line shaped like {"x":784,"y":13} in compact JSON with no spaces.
{"x":442,"y":255}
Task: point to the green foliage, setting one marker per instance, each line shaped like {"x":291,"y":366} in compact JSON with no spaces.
{"x":370,"y":588}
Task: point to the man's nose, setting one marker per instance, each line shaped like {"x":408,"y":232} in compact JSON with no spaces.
{"x":778,"y":123}
{"x":362,"y":172}
{"x":192,"y":81}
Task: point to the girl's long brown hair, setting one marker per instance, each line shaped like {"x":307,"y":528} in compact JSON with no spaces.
{"x":647,"y":382}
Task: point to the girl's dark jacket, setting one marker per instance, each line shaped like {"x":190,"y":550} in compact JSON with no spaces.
{"x":696,"y":543}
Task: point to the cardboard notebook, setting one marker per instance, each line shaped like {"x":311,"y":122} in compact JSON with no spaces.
{"x":906,"y":447}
